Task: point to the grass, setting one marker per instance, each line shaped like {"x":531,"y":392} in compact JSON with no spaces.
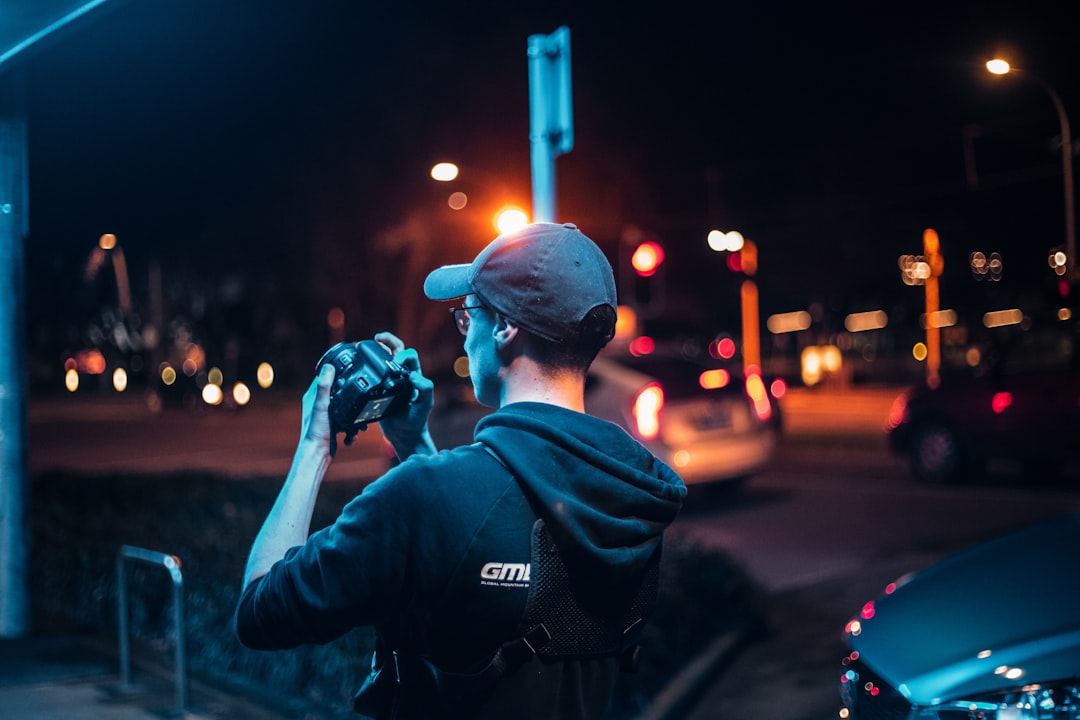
{"x":79,"y":522}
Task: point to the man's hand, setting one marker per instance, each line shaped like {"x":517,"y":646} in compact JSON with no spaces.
{"x":407,"y":431}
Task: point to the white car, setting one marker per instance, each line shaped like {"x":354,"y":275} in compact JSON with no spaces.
{"x":707,"y":420}
{"x":702,"y":417}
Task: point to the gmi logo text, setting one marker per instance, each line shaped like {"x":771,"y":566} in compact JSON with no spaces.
{"x":497,"y":573}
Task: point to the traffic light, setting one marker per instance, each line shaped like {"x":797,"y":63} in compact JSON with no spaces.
{"x":647,"y":262}
{"x":647,"y":258}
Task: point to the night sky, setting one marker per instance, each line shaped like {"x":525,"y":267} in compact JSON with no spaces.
{"x":276,"y":153}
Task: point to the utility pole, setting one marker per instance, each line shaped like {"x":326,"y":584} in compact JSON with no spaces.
{"x":551,"y":115}
{"x":14,"y":484}
{"x":39,"y":21}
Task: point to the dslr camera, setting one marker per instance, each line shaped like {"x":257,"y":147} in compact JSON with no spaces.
{"x":368,"y":385}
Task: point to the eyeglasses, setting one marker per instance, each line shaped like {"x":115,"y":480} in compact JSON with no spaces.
{"x":461,"y":317}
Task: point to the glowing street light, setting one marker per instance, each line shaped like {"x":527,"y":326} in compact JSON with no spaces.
{"x":997,"y":66}
{"x":510,"y":219}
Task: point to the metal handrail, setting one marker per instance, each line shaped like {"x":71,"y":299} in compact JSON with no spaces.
{"x":172,"y":564}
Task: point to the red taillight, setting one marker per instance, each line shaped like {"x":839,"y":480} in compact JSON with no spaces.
{"x":647,"y":406}
{"x":1001,"y":401}
{"x":897,"y":412}
{"x":759,"y":396}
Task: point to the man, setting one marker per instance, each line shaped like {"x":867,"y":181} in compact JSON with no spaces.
{"x":507,"y":578}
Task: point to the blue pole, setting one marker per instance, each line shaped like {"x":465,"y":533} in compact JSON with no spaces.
{"x":14,"y":485}
{"x":551,"y":127}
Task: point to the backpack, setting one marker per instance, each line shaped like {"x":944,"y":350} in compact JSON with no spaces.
{"x":555,"y":625}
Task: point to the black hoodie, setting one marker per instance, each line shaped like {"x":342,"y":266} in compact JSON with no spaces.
{"x":436,"y":553}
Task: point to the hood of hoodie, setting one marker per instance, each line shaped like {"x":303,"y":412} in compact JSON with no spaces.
{"x":603,"y":496}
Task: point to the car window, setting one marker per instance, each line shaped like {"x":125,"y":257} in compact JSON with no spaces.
{"x":1033,"y":352}
{"x":680,"y":377}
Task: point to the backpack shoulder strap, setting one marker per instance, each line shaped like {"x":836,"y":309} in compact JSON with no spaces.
{"x":558,"y":626}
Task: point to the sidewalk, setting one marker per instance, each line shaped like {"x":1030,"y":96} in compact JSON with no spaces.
{"x":64,"y":678}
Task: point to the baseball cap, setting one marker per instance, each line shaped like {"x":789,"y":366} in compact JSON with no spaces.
{"x":545,"y":277}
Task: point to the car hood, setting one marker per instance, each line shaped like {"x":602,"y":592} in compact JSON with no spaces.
{"x":1001,"y":614}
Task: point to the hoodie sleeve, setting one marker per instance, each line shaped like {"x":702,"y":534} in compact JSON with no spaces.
{"x":348,"y":574}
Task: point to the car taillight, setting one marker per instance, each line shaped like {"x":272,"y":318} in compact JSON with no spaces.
{"x":647,"y":406}
{"x":759,"y":396}
{"x":1001,"y":402}
{"x":897,"y":411}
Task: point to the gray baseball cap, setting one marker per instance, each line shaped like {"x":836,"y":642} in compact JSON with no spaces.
{"x":545,"y":277}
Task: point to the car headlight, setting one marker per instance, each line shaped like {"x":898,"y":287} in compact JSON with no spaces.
{"x":1031,"y":702}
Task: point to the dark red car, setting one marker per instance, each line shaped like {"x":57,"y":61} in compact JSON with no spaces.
{"x":1022,"y":405}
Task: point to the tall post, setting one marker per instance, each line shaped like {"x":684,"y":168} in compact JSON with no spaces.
{"x":748,"y":300}
{"x":551,"y":115}
{"x":997,"y":66}
{"x":14,"y":223}
{"x":932,"y":252}
{"x":1067,"y":173}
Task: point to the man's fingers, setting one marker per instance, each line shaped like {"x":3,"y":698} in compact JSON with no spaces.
{"x":391,"y":341}
{"x":326,"y":377}
{"x":408,"y":359}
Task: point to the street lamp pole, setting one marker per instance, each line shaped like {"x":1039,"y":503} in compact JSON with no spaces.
{"x":1001,"y":67}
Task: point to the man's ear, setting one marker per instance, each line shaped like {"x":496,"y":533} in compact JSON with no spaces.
{"x":504,"y":332}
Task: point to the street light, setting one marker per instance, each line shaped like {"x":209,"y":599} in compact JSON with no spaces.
{"x":998,"y":66}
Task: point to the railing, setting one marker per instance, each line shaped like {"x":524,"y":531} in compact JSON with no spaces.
{"x":172,"y":564}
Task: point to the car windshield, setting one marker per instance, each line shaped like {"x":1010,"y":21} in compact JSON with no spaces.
{"x":1030,"y":352}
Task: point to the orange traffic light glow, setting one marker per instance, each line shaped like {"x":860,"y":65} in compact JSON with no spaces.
{"x":647,"y":258}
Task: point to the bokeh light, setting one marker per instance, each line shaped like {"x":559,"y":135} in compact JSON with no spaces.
{"x":264,"y":375}
{"x":457,"y":200}
{"x":643,"y":345}
{"x":168,"y":374}
{"x":212,"y":394}
{"x":444,"y":171}
{"x":241,"y":394}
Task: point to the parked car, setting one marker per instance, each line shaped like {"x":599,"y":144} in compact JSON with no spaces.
{"x":992,"y":633}
{"x":704,"y":418}
{"x":1022,"y":405}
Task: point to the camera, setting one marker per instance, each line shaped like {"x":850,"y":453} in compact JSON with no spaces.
{"x":368,"y":385}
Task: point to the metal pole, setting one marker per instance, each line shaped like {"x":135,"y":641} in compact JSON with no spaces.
{"x":171,"y":563}
{"x":541,"y":157}
{"x":1066,"y":169}
{"x":14,"y":485}
{"x":551,"y":128}
{"x":123,"y":630}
